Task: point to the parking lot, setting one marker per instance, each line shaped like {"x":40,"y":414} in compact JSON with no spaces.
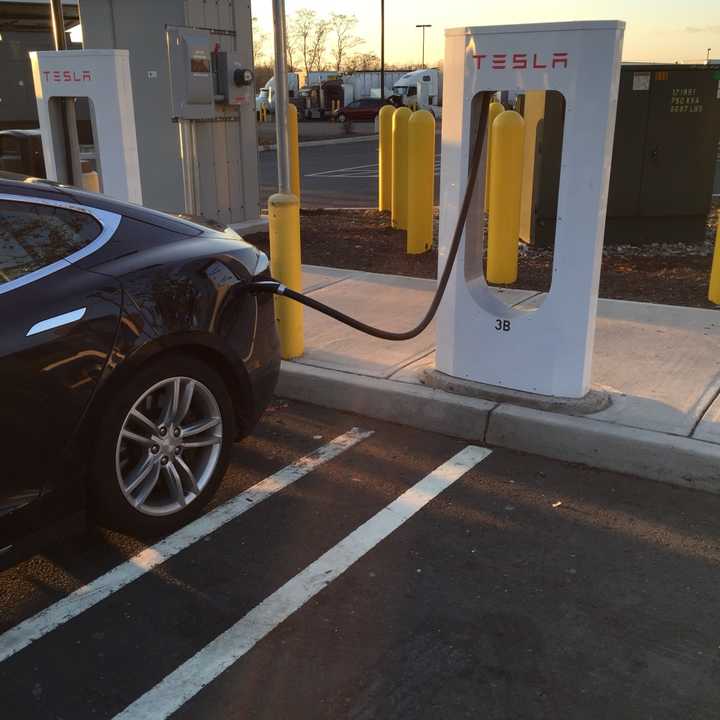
{"x":355,"y":569}
{"x":337,"y":175}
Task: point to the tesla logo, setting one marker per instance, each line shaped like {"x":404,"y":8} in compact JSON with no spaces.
{"x":67,"y":75}
{"x":522,"y":61}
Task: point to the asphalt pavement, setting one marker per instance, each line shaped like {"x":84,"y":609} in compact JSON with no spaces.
{"x":334,"y":175}
{"x":351,"y":568}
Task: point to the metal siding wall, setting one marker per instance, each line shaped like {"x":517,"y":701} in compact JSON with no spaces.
{"x":139,"y":26}
{"x":245,"y":159}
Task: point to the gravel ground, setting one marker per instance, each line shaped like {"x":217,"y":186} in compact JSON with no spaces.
{"x":668,"y":273}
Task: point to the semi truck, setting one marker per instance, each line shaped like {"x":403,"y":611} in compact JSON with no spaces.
{"x":420,"y":88}
{"x":266,"y":96}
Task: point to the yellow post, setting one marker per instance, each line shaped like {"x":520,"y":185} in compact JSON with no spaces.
{"x":533,"y":113}
{"x":493,"y":111}
{"x":508,"y":134}
{"x":284,"y":217}
{"x":385,"y":122}
{"x":714,"y":291}
{"x":400,"y":167}
{"x":421,"y":181}
{"x":294,"y":150}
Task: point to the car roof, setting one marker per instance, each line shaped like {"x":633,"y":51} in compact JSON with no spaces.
{"x":14,"y":184}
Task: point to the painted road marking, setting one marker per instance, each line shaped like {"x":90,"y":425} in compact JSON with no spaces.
{"x":192,"y":676}
{"x":358,"y":171}
{"x":83,"y":598}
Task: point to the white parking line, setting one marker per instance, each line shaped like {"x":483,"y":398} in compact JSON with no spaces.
{"x":201,"y":669}
{"x":83,"y":598}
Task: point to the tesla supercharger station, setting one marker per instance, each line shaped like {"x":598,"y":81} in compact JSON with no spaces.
{"x":103,"y":77}
{"x":547,"y":350}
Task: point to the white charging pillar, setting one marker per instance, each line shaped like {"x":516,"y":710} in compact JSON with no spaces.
{"x":480,"y":338}
{"x":103,"y":77}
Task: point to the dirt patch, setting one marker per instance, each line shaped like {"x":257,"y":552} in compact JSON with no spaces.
{"x":672,"y":274}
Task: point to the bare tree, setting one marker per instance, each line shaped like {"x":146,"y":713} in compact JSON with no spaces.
{"x":363,"y":61}
{"x":259,"y":38}
{"x":343,"y":27}
{"x":309,"y":35}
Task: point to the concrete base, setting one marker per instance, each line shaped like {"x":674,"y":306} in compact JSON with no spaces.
{"x":594,"y":401}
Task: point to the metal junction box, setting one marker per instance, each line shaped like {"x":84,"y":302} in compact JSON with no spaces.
{"x":663,"y":162}
{"x":191,"y":77}
{"x":234,"y":79}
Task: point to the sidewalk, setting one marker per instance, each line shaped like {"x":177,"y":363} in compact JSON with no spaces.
{"x":660,"y":365}
{"x":316,"y":130}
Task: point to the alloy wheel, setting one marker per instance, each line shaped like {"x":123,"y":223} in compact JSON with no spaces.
{"x":169,"y":446}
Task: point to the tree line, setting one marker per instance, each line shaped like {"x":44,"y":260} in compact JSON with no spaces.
{"x":316,"y":43}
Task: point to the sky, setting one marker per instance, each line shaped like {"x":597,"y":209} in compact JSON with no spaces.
{"x":657,"y":31}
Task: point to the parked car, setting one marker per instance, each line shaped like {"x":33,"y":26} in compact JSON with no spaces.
{"x":363,"y":110}
{"x":130,"y":361}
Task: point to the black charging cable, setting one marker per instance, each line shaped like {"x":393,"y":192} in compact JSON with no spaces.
{"x":277,"y":288}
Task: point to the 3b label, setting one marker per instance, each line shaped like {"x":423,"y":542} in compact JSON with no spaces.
{"x":502,"y":325}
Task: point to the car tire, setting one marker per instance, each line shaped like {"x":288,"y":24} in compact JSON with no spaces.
{"x":183,"y":480}
{"x":341,"y":118}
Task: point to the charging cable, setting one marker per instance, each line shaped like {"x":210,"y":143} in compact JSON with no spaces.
{"x":277,"y":288}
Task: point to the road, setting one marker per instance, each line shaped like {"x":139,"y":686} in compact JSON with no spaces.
{"x":391,"y":574}
{"x":338,"y":175}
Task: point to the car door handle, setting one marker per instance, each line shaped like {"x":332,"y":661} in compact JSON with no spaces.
{"x":56,"y":321}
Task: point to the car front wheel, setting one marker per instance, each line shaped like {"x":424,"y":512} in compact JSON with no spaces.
{"x":163,"y":447}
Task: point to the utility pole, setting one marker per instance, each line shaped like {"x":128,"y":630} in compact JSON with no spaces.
{"x":72,"y":144}
{"x":423,"y":41}
{"x":382,"y":49}
{"x":281,"y":97}
{"x":707,"y":56}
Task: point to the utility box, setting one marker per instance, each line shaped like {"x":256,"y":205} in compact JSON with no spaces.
{"x":224,"y":161}
{"x":663,"y":162}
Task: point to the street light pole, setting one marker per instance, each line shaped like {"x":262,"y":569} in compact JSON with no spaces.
{"x":281,"y":97}
{"x":423,"y":41}
{"x":382,"y":49}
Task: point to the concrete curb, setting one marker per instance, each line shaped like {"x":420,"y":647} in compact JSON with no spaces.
{"x":673,"y":459}
{"x":330,"y":141}
{"x":654,"y":455}
{"x":414,"y":405}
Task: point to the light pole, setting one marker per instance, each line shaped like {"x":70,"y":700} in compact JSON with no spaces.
{"x":382,"y":49}
{"x":423,"y":41}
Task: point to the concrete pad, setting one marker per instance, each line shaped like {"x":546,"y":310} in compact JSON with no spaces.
{"x":708,"y":428}
{"x":659,"y":362}
{"x":413,"y":405}
{"x":315,"y":277}
{"x":668,"y":458}
{"x":392,"y":303}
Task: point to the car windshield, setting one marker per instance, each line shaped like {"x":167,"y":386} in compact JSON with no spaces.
{"x":400,"y":89}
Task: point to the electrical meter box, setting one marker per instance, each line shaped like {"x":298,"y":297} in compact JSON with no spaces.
{"x":191,"y":77}
{"x":234,"y":79}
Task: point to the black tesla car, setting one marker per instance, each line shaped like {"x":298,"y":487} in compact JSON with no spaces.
{"x":130,"y":360}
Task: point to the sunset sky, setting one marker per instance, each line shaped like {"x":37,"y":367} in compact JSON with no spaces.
{"x":657,"y":30}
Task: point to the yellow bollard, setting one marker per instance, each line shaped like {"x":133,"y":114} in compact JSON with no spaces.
{"x":421,"y":181}
{"x":399,"y":196}
{"x":284,"y":217}
{"x":294,"y":151}
{"x":714,"y":291}
{"x":506,"y":177}
{"x":493,"y":111}
{"x":385,"y":121}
